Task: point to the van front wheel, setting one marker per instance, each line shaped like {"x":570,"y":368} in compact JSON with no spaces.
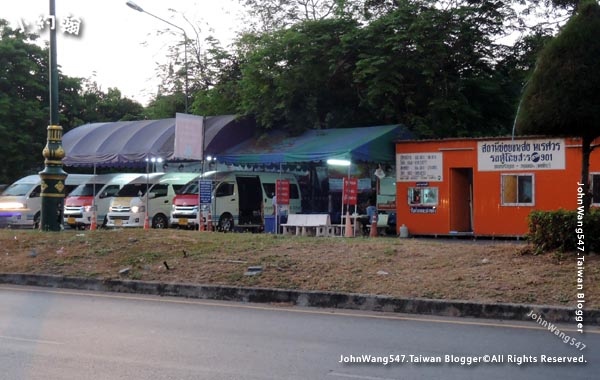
{"x":160,"y":221}
{"x":226,"y":223}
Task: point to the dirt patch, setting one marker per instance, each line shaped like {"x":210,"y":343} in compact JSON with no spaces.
{"x":486,"y":271}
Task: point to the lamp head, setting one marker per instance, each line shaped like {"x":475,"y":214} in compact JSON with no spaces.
{"x":133,"y":5}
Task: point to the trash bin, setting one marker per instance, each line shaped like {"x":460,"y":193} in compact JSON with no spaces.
{"x":270,"y":224}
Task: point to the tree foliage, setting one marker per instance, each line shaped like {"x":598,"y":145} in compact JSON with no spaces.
{"x":437,"y":66}
{"x":301,"y":77}
{"x":24,"y":103}
{"x":23,"y":100}
{"x":434,"y":69}
{"x":430,"y":68}
{"x":271,"y":15}
{"x":562,"y":94}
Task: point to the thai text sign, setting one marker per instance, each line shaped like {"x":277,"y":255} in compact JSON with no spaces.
{"x":350,"y":193}
{"x":537,"y":154}
{"x":421,"y":167}
{"x":205,"y":191}
{"x":282,"y":191}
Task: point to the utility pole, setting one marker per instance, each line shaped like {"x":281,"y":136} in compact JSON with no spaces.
{"x":53,"y":177}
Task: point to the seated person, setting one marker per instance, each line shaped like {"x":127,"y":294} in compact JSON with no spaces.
{"x":366,"y":220}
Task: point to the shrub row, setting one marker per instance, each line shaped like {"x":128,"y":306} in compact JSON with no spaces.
{"x":558,"y":230}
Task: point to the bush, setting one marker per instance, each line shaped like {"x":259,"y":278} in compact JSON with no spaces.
{"x":557,"y":230}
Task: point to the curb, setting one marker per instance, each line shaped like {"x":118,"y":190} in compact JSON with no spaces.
{"x":507,"y":311}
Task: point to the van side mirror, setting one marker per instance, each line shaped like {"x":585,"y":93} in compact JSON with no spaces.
{"x":103,"y":195}
{"x":151,"y":195}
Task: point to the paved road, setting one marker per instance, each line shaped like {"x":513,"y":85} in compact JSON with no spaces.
{"x":60,"y":334}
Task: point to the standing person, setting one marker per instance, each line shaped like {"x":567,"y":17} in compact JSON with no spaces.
{"x":371,"y":211}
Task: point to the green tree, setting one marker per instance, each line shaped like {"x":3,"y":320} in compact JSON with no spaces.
{"x":95,"y":105}
{"x":165,"y":106}
{"x":272,"y":15}
{"x":301,"y":77}
{"x":562,"y":95}
{"x":218,"y":92}
{"x":24,"y":112}
{"x":24,"y":104}
{"x":435,"y":70}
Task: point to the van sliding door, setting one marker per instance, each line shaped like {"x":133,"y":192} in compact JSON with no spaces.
{"x":250,"y":194}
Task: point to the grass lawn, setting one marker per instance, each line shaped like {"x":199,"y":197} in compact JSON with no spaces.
{"x":482,"y":270}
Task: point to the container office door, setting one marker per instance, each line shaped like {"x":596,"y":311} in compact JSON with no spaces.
{"x":461,"y":200}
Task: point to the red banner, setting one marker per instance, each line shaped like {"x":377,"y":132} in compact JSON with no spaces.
{"x":350,"y":191}
{"x":282,"y":191}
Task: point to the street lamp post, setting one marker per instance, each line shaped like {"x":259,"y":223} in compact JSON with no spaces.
{"x":53,"y":176}
{"x":136,"y":7}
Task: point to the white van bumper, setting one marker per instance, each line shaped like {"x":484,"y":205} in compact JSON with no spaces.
{"x":77,"y":216}
{"x":15,"y":219}
{"x":121,"y":219}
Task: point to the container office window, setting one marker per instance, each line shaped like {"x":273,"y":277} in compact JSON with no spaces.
{"x":517,"y":190}
{"x":423,"y":196}
{"x":595,"y":183}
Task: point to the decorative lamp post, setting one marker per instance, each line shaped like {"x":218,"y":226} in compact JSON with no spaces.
{"x":136,"y":7}
{"x":53,"y":176}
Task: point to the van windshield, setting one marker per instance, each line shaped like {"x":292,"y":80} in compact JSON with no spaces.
{"x":87,"y":190}
{"x":133,"y":190}
{"x":18,"y":189}
{"x":190,"y":188}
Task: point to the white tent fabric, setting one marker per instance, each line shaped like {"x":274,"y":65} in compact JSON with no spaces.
{"x":127,"y":143}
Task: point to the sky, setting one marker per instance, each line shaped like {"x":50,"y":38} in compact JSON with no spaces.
{"x":118,"y":46}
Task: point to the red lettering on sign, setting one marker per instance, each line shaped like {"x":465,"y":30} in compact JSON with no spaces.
{"x":350,"y":191}
{"x":282,"y":191}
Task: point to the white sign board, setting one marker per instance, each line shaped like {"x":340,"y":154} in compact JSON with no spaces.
{"x":189,"y":137}
{"x":413,"y":167}
{"x":536,"y":154}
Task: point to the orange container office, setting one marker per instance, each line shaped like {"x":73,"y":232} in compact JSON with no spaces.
{"x":487,"y":186}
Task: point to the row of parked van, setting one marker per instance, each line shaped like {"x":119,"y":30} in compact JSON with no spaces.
{"x":20,"y":203}
{"x":169,"y":200}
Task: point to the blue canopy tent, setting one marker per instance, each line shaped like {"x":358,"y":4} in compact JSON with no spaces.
{"x":364,"y":144}
{"x":129,"y":143}
{"x":368,"y":146}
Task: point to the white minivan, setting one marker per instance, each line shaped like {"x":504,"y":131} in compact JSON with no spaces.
{"x":239,"y":198}
{"x":97,"y":192}
{"x":21,"y":204}
{"x":128,"y":208}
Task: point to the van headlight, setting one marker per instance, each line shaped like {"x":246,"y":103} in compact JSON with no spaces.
{"x":88,"y":208}
{"x":11,"y":205}
{"x":136,"y":209}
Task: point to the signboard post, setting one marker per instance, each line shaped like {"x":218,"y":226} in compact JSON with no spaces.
{"x":282,"y":196}
{"x":349,"y":197}
{"x":204,"y":198}
{"x":350,"y":191}
{"x":282,"y":191}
